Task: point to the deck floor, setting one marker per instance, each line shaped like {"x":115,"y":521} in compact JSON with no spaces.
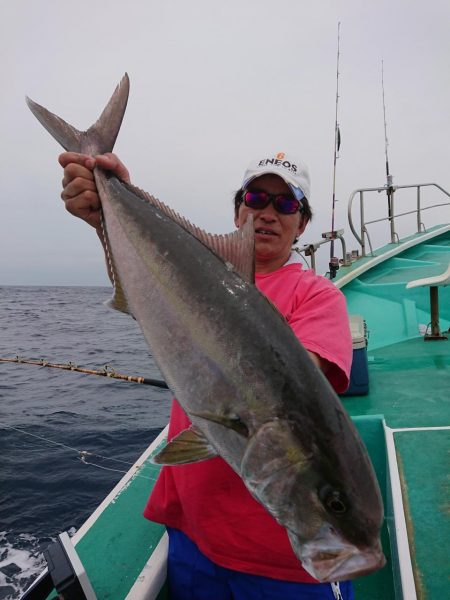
{"x":423,"y":458}
{"x":409,"y":383}
{"x":410,"y":386}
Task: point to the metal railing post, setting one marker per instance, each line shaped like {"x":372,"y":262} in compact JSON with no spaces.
{"x":390,"y":191}
{"x":390,"y":194}
{"x":313,"y":258}
{"x":331,"y":236}
{"x":346,"y":261}
{"x":419,"y":218}
{"x":363,"y":227}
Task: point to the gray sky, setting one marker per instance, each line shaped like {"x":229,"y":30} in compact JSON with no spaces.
{"x":214,"y":85}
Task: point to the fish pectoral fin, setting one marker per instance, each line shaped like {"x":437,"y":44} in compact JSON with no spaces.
{"x":229,"y":421}
{"x":189,"y":446}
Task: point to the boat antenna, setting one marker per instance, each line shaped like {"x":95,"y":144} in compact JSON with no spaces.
{"x":334,"y":264}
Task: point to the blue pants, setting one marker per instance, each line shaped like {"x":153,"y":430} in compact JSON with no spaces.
{"x":192,"y":576}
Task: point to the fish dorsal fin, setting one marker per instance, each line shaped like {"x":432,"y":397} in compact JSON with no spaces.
{"x":236,"y":248}
{"x":189,"y":446}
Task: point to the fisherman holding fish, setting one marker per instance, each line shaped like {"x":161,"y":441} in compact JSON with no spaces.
{"x":223,"y":544}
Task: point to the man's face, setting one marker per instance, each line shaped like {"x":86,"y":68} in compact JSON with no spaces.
{"x":274,"y":232}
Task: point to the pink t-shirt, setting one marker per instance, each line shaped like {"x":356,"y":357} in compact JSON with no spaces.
{"x":208,"y":501}
{"x":317,"y":313}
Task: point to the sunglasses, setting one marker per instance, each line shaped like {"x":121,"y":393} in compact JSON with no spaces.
{"x":282,"y":203}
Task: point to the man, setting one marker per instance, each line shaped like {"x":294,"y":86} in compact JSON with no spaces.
{"x":223,"y":544}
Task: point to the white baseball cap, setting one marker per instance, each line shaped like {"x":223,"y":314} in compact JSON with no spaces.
{"x":294,"y":172}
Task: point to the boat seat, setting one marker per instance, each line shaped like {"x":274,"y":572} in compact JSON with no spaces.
{"x":438,"y":280}
{"x":433,"y":283}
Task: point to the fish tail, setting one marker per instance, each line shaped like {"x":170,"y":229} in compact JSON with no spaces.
{"x":99,"y":138}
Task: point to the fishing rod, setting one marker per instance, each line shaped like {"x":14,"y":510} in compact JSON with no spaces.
{"x":389,"y":184}
{"x":334,"y":264}
{"x":386,"y":143}
{"x":107,"y":371}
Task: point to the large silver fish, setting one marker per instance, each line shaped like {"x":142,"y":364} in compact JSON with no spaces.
{"x":254,"y":396}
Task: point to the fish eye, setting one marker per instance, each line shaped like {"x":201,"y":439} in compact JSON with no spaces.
{"x":334,"y":500}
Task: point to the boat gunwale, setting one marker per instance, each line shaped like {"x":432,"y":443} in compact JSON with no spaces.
{"x":119,"y":487}
{"x":387,"y":252}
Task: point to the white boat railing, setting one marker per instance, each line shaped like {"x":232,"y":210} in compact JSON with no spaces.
{"x":390,"y":192}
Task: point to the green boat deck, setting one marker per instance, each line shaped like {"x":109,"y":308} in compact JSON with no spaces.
{"x":409,"y":384}
{"x":376,"y":288}
{"x":423,"y":458}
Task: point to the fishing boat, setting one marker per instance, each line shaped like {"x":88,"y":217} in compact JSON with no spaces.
{"x":398,"y":300}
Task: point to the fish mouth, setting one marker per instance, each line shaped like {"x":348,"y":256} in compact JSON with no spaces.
{"x":331,"y":558}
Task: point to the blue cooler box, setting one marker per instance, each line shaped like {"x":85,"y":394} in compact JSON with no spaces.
{"x":359,"y":374}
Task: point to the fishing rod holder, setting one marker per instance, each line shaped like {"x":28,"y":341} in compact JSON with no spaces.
{"x":67,"y":571}
{"x":333,"y":235}
{"x":328,"y":237}
{"x":390,"y":191}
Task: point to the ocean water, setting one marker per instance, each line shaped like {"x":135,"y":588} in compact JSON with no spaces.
{"x":48,"y":415}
